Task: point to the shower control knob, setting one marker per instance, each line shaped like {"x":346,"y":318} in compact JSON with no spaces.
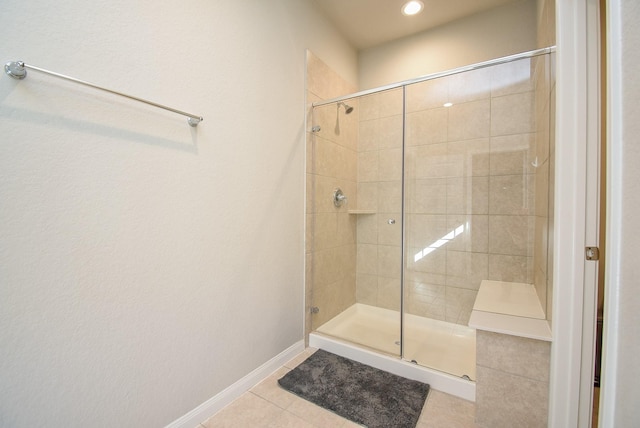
{"x":391,"y":221}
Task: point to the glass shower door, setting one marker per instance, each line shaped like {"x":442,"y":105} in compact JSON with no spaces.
{"x":470,"y":201}
{"x":365,"y":308}
{"x":446,"y":167}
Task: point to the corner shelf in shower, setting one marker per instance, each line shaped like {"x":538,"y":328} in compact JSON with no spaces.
{"x":358,"y":212}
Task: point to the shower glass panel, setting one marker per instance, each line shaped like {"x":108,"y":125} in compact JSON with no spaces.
{"x":357,"y":246}
{"x":447,"y":185}
{"x":470,"y":202}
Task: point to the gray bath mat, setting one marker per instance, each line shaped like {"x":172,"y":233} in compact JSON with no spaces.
{"x":358,"y":392}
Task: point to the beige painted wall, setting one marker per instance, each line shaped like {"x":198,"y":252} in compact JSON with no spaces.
{"x":622,"y":300}
{"x":498,"y":32}
{"x":145,"y":265}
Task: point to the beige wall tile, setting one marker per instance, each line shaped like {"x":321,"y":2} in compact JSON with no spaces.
{"x":389,"y":234}
{"x":511,"y":234}
{"x":310,"y":185}
{"x":389,"y":261}
{"x":367,"y":289}
{"x":347,"y":128}
{"x":542,"y":151}
{"x":512,"y":114}
{"x":510,"y":268}
{"x":381,"y":104}
{"x":367,"y":229}
{"x":390,"y":132}
{"x":367,"y":259}
{"x":425,"y":292}
{"x":513,"y":77}
{"x":466,"y":270}
{"x":425,"y":278}
{"x":469,"y":158}
{"x":429,"y":161}
{"x":324,"y":117}
{"x":390,"y":165}
{"x":468,"y":195}
{"x":368,"y":196}
{"x":346,"y":260}
{"x":350,"y":190}
{"x":310,"y":153}
{"x":434,"y":263}
{"x":368,"y":135}
{"x":323,"y":193}
{"x":427,"y":95}
{"x":346,"y":229}
{"x":389,"y":196}
{"x":519,"y":356}
{"x":391,"y":103}
{"x":348,"y":165}
{"x":470,"y":86}
{"x":427,"y":127}
{"x":512,"y":195}
{"x":542,"y":191}
{"x":459,"y":304}
{"x":428,"y":196}
{"x":424,"y":230}
{"x":333,"y":298}
{"x":368,"y":166}
{"x":389,"y":293}
{"x":513,"y":154}
{"x":325,"y":230}
{"x":435,"y":310}
{"x":505,"y":401}
{"x":309,"y":228}
{"x":470,"y":120}
{"x":475,"y":232}
{"x":318,"y":76}
{"x":540,"y":253}
{"x":369,"y":107}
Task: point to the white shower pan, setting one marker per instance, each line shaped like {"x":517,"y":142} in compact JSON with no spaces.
{"x":436,"y":352}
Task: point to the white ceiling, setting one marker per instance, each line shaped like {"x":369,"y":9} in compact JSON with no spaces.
{"x":367,"y":23}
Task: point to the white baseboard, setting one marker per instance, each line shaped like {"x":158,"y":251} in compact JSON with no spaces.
{"x":207,"y":409}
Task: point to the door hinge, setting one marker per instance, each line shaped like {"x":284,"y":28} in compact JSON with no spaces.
{"x":592,"y":253}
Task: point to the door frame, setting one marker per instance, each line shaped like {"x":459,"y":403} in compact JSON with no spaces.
{"x":576,"y":219}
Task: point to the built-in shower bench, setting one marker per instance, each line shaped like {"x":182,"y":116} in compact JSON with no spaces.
{"x":513,"y":344}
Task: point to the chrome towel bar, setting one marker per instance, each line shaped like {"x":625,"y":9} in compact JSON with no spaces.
{"x":18,"y":70}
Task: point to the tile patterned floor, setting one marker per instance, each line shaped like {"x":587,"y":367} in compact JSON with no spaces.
{"x":267,"y":405}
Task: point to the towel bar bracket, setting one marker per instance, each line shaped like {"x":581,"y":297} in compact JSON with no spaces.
{"x":15,"y":69}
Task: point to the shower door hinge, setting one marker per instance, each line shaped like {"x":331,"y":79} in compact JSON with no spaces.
{"x":592,"y":253}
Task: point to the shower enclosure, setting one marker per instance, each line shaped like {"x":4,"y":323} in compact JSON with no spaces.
{"x":419,"y":191}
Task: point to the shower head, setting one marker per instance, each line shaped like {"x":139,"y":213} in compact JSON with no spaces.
{"x":347,"y":108}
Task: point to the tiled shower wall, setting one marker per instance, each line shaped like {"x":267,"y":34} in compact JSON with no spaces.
{"x":379,"y":260}
{"x":469,"y":190}
{"x":330,"y":283}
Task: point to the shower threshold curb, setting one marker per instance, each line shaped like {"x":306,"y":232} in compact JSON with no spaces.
{"x":438,"y":380}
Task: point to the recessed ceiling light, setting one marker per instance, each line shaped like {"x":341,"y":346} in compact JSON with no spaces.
{"x":447,"y":104}
{"x":412,"y":7}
